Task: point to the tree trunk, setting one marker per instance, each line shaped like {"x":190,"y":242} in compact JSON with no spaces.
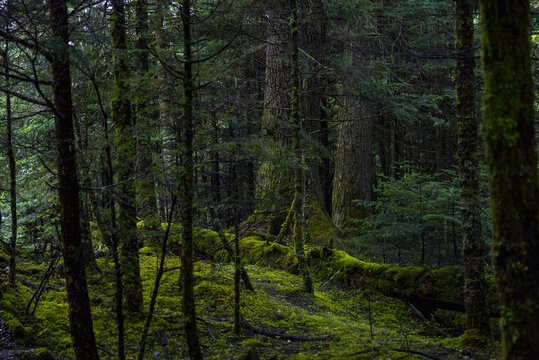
{"x":87,"y":247}
{"x":274,"y":187}
{"x":80,"y":315}
{"x":12,"y":178}
{"x":187,"y":191}
{"x":354,"y":166}
{"x":508,"y":125}
{"x":125,"y":162}
{"x":312,"y":38}
{"x":473,"y":246}
{"x":300,"y":173}
{"x":144,"y":125}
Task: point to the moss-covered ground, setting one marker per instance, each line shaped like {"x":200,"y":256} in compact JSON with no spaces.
{"x":344,"y":316}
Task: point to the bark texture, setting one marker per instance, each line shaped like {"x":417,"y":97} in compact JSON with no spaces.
{"x":312,"y":39}
{"x":508,"y":125}
{"x":274,"y":187}
{"x":12,"y":179}
{"x":80,"y":316}
{"x":354,"y":164}
{"x":125,"y":162}
{"x":146,"y":201}
{"x":473,"y":246}
{"x":299,"y":180}
{"x":187,"y":191}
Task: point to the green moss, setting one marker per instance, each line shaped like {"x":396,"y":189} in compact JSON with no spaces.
{"x":36,"y":354}
{"x":321,"y":228}
{"x":19,"y":332}
{"x":473,"y":340}
{"x":277,"y":305}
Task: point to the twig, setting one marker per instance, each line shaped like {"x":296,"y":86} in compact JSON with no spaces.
{"x":331,"y":278}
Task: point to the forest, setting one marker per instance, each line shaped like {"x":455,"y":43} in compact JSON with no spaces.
{"x":269,"y":179}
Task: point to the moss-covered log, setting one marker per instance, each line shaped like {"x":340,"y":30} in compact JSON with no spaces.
{"x":426,"y":289}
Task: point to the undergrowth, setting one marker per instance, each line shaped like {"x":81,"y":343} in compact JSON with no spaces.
{"x":353,"y":321}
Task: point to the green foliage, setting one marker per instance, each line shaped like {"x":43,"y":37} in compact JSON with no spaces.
{"x":406,"y":209}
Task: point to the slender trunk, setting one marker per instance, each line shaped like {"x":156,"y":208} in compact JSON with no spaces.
{"x":296,"y":122}
{"x":288,"y":220}
{"x":237,"y":261}
{"x":508,"y":126}
{"x":146,"y":186}
{"x":454,"y":232}
{"x":473,"y":246}
{"x":157,"y":283}
{"x":125,"y":161}
{"x":12,"y":178}
{"x":80,"y":316}
{"x":312,"y":39}
{"x":187,"y":191}
{"x":326,"y":174}
{"x":119,"y":289}
{"x":87,"y":248}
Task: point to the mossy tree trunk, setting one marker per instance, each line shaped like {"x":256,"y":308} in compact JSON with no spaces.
{"x":167,"y":92}
{"x":12,"y":175}
{"x":187,"y":191}
{"x":125,"y":162}
{"x":300,"y":174}
{"x":508,"y":126}
{"x":81,"y":132}
{"x":80,"y":316}
{"x":146,"y":201}
{"x":473,"y":246}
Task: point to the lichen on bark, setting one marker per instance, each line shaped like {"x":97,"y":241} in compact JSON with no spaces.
{"x":508,"y":127}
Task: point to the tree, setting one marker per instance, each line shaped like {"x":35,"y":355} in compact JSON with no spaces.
{"x":274,"y":187}
{"x":508,"y":127}
{"x":12,"y":172}
{"x":187,"y":191}
{"x":80,"y":316}
{"x":473,"y":246}
{"x":301,"y":188}
{"x":125,"y":162}
{"x":146,"y":188}
{"x":354,"y":163}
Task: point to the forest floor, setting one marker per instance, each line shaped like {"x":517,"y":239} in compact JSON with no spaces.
{"x":349,"y":324}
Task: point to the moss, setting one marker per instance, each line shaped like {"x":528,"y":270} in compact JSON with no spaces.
{"x":19,"y":332}
{"x":259,"y":252}
{"x":36,"y":354}
{"x":321,"y":228}
{"x":208,"y":242}
{"x":149,"y":251}
{"x":278,"y":305}
{"x":473,"y":340}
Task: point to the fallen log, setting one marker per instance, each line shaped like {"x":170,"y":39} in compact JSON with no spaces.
{"x":426,"y":289}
